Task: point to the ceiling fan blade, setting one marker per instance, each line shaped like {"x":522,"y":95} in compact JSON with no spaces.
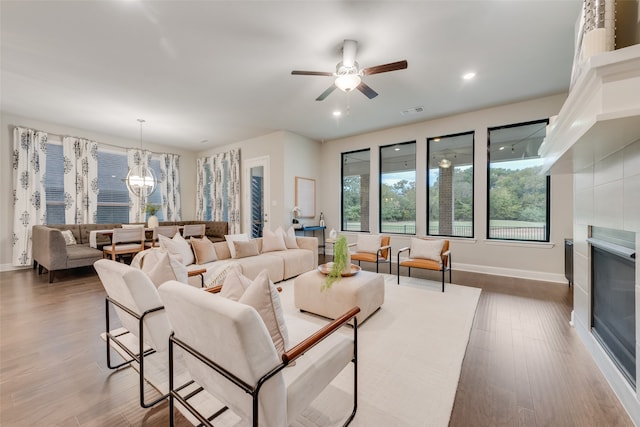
{"x":369,"y":93}
{"x":393,"y":66}
{"x":326,"y":93}
{"x":349,"y":49}
{"x":311,"y":73}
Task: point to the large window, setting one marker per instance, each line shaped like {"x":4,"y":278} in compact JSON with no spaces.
{"x":54,"y":184}
{"x":113,"y":196}
{"x":398,"y":188}
{"x":450,"y":185}
{"x":355,"y":190}
{"x":518,"y":194}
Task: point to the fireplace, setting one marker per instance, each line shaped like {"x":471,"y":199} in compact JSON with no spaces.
{"x":613,"y":301}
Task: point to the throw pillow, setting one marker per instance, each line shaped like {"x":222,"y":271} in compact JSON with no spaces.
{"x":203,"y":250}
{"x":245,"y":249}
{"x":165,"y":268}
{"x":426,"y":249}
{"x":68,"y":237}
{"x":264,"y":297}
{"x":235,"y":284}
{"x":272,"y":241}
{"x":290,"y":238}
{"x":230,"y":238}
{"x":177,"y":246}
{"x":368,"y":243}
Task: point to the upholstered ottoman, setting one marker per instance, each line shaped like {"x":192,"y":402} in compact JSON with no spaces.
{"x":365,"y":290}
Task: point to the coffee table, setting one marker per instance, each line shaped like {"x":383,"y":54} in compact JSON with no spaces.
{"x":363,"y":289}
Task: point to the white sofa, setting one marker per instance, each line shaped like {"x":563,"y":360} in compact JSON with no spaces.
{"x":282,"y":265}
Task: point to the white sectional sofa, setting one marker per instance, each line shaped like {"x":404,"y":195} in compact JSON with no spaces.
{"x":282,"y":265}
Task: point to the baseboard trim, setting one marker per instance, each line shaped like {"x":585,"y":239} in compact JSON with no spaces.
{"x":11,"y":267}
{"x":511,"y":272}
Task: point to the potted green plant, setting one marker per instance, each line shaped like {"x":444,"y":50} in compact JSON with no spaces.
{"x":152,"y":209}
{"x":341,"y":262}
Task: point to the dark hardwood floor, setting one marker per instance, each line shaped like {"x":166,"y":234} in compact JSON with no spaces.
{"x":524,"y":365}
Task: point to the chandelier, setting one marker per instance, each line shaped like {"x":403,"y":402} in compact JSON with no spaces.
{"x":141,"y":180}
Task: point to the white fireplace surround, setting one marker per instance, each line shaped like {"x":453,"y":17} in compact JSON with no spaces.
{"x":596,"y":137}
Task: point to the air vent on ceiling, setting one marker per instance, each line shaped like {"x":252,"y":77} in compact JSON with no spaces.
{"x":414,"y":110}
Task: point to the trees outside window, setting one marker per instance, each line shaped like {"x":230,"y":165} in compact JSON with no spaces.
{"x":518,"y":193}
{"x":398,"y":188}
{"x":450,"y":185}
{"x":355,"y":190}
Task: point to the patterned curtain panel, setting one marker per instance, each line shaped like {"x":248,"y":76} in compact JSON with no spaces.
{"x":217,"y":189}
{"x":170,"y":186}
{"x":136,"y":157}
{"x":201,"y":175}
{"x":29,"y":195}
{"x":80,"y":180}
{"x":221,"y":192}
{"x":233,"y":190}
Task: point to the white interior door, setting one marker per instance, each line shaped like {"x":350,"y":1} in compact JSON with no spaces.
{"x":256,"y":195}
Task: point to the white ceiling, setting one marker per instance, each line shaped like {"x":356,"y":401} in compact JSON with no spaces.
{"x":221,"y":70}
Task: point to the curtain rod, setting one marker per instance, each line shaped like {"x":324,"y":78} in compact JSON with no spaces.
{"x":97,"y":142}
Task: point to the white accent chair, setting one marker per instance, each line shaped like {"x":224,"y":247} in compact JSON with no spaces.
{"x":145,"y":325}
{"x":231,"y":356}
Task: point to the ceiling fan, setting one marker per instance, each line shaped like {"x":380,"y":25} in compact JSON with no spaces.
{"x":348,"y":73}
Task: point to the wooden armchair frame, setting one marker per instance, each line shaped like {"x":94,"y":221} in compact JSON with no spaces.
{"x":125,"y":241}
{"x":443,"y":266}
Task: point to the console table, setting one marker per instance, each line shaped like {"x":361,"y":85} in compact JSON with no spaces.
{"x":315,"y":231}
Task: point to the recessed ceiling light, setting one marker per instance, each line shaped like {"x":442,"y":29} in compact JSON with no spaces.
{"x":469,"y":76}
{"x":436,"y":139}
{"x":397,"y":149}
{"x":502,"y":148}
{"x":337,"y":113}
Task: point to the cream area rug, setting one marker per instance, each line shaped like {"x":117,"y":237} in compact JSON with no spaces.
{"x":410,"y":353}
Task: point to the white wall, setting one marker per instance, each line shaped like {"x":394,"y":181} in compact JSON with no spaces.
{"x":528,"y":260}
{"x":8,"y":122}
{"x":289,"y":155}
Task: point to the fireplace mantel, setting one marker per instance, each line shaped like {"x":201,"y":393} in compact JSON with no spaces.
{"x":600,"y":116}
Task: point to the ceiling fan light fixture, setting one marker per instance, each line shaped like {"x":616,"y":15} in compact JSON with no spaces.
{"x":348,"y":82}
